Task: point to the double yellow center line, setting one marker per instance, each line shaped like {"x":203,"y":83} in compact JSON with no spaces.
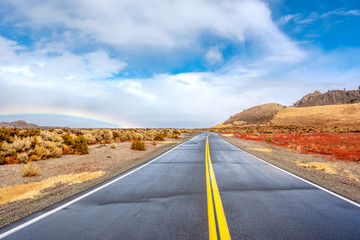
{"x":218,"y":228}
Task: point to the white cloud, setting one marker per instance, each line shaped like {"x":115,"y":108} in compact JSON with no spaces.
{"x":315,"y":16}
{"x":51,"y":74}
{"x":341,"y":12}
{"x":214,"y":56}
{"x":163,"y":24}
{"x":290,"y":17}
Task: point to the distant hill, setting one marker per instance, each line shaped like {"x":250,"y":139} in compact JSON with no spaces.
{"x":329,"y":98}
{"x":18,"y":124}
{"x":256,"y":115}
{"x":344,"y":115}
{"x":334,"y":108}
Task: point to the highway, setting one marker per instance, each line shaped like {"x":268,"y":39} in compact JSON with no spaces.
{"x":202,"y":189}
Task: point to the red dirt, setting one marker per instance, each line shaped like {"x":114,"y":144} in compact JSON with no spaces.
{"x":334,"y":146}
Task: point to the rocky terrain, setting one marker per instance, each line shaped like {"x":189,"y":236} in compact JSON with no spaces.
{"x":334,"y":108}
{"x":329,"y":98}
{"x":19,"y":124}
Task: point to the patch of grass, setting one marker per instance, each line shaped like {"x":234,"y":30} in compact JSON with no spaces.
{"x":138,"y":145}
{"x":30,"y":169}
{"x":35,"y":189}
{"x":326,"y":167}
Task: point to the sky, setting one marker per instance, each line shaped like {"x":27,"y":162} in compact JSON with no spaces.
{"x":179,"y":63}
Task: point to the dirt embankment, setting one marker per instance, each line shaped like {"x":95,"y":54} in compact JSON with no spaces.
{"x":68,"y":175}
{"x":342,"y":177}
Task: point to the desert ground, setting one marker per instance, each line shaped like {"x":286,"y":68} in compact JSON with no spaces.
{"x":68,"y":175}
{"x":339,"y":176}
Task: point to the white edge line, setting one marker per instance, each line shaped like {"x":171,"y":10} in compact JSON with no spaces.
{"x":5,"y":234}
{"x":314,"y":184}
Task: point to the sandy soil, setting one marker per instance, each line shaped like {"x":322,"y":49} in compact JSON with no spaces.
{"x":342,"y":177}
{"x":103,"y":160}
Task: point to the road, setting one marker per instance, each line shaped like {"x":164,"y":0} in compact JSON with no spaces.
{"x":198,"y":190}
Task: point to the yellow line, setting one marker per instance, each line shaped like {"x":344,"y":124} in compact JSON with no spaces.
{"x":212,"y":190}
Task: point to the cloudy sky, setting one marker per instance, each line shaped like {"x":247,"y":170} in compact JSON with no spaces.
{"x":179,"y":63}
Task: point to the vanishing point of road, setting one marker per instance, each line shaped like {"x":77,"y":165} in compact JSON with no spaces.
{"x":204,"y":188}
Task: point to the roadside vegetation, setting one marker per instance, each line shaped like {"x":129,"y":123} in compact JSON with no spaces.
{"x":23,"y":146}
{"x":332,"y":143}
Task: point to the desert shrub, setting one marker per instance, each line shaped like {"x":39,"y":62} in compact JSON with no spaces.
{"x":7,"y":149}
{"x":90,"y":138}
{"x":175,"y":136}
{"x":159,"y":137}
{"x":256,"y":134}
{"x":30,"y":169}
{"x":112,"y":145}
{"x":55,"y":151}
{"x":176,"y":132}
{"x":116,"y":134}
{"x":154,"y":143}
{"x":103,"y":135}
{"x":34,"y":141}
{"x":268,"y":139}
{"x":29,"y":133}
{"x":68,"y":139}
{"x":138,"y":145}
{"x":67,"y":149}
{"x":80,"y":145}
{"x":42,"y":152}
{"x":7,"y":134}
{"x":2,"y":160}
{"x":21,"y":144}
{"x":23,"y":157}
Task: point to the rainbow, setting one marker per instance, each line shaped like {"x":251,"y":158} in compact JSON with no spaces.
{"x":62,"y":112}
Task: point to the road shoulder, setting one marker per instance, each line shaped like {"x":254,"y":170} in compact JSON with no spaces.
{"x":337,"y":176}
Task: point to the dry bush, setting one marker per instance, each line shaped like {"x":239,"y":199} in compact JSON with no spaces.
{"x":159,"y":137}
{"x":2,"y":160}
{"x":23,"y":157}
{"x":103,"y":135}
{"x":7,"y":149}
{"x":80,"y":145}
{"x":177,"y":132}
{"x":42,"y":151}
{"x":112,"y":145}
{"x":68,"y":150}
{"x":90,"y":138}
{"x":30,"y":169}
{"x":268,"y":139}
{"x":21,"y":144}
{"x":55,"y":151}
{"x":138,"y":145}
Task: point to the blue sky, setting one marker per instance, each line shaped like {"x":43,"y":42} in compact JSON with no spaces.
{"x":162,"y":63}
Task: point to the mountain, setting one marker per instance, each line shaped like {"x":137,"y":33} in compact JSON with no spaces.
{"x":329,"y":98}
{"x":256,"y":115}
{"x":18,"y":124}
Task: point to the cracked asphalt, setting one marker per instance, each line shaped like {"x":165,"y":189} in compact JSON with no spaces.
{"x":167,"y":199}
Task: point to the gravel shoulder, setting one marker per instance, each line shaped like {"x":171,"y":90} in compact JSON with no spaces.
{"x":102,"y":158}
{"x":341,"y":177}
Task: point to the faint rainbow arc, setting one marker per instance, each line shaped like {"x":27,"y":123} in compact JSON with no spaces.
{"x":71,"y":113}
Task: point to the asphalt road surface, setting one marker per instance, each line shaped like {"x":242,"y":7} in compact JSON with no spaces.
{"x":197,"y":190}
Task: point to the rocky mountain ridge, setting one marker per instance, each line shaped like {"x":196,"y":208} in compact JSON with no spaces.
{"x":20,"y":124}
{"x":329,"y":98}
